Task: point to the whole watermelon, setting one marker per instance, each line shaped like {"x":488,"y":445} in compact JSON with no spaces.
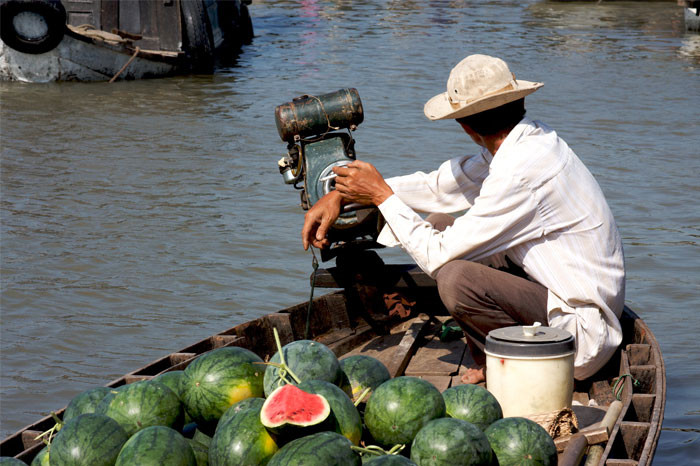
{"x":144,"y":404}
{"x":41,"y":458}
{"x":360,"y":372}
{"x":388,"y":460}
{"x":156,"y":446}
{"x":9,"y":461}
{"x":85,"y":402}
{"x":472,"y":403}
{"x":88,"y":440}
{"x":241,"y":438}
{"x":321,"y":449}
{"x":309,"y":360}
{"x":346,"y":417}
{"x":450,"y":442}
{"x":172,"y":380}
{"x":516,"y":440}
{"x":400,"y":407}
{"x":249,"y":403}
{"x":217,"y":380}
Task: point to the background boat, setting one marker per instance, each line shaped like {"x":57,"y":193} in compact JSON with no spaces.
{"x":94,"y":40}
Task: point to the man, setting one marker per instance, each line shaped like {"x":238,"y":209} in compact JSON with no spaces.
{"x":533,"y":211}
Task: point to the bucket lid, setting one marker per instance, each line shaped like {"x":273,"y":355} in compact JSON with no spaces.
{"x":530,"y":340}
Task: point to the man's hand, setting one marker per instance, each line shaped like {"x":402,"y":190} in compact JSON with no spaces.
{"x":319,"y":219}
{"x":361,"y":182}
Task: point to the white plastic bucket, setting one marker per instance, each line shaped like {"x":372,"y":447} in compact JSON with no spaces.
{"x":530,"y":370}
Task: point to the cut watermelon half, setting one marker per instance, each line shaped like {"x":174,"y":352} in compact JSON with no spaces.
{"x":291,"y":412}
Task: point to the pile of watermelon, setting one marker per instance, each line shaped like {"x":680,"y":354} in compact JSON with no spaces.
{"x":305,"y":406}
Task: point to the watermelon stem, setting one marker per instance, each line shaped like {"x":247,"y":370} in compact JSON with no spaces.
{"x":362,"y":396}
{"x":377,"y":450}
{"x":284,"y":369}
{"x":51,"y":432}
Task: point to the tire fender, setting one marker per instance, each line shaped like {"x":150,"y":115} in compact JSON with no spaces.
{"x":48,"y":25}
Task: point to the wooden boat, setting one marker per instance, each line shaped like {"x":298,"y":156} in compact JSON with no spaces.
{"x":354,"y":320}
{"x":100,"y":40}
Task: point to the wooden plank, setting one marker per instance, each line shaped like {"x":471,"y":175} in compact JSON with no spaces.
{"x":646,"y":375}
{"x":621,"y":462}
{"x":283,"y":323}
{"x":407,"y":346}
{"x":441,"y":382}
{"x":396,"y":276}
{"x":574,"y":451}
{"x":639,"y":355}
{"x":131,"y":378}
{"x":634,"y":435}
{"x":358,"y":336}
{"x":641,"y":408}
{"x":437,"y":358}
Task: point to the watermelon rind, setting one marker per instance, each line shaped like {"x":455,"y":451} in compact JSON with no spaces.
{"x":85,"y":402}
{"x":450,"y":442}
{"x":308,"y":360}
{"x":346,"y":417}
{"x":242,"y":439}
{"x":516,"y":441}
{"x":156,"y":446}
{"x":472,"y":403}
{"x":389,"y":460}
{"x":275,"y":413}
{"x":172,"y":380}
{"x":217,"y":380}
{"x":249,"y":403}
{"x":144,"y":404}
{"x":400,"y":407}
{"x":320,"y":449}
{"x":41,"y":458}
{"x":360,"y":372}
{"x":9,"y":461}
{"x":88,"y":440}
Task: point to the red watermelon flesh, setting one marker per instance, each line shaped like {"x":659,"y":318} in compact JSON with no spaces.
{"x":289,"y":405}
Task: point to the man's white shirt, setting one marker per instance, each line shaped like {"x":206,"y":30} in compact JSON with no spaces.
{"x":538,"y":204}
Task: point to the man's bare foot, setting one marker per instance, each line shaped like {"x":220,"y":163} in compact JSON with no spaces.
{"x":474,"y":375}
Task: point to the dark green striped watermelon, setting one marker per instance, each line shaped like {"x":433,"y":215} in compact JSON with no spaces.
{"x":172,"y":380}
{"x":516,"y":440}
{"x":156,"y":446}
{"x":320,"y":449}
{"x":388,"y":460}
{"x":361,"y":372}
{"x":41,"y":458}
{"x":241,"y":438}
{"x":201,"y":452}
{"x":217,"y":380}
{"x":400,"y":407}
{"x":85,"y":402}
{"x":9,"y":461}
{"x":88,"y":440}
{"x":346,"y":417}
{"x":450,"y":442}
{"x":249,"y":403}
{"x":472,"y":403}
{"x":309,"y":360}
{"x":144,"y":404}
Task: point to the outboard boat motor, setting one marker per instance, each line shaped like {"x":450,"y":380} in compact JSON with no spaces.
{"x":317,"y":130}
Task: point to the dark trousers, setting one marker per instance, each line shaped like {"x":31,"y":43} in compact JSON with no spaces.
{"x":482,"y":298}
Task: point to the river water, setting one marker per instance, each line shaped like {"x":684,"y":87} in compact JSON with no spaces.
{"x":139,"y":217}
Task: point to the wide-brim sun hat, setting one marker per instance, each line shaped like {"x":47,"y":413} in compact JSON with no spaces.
{"x":478,"y":83}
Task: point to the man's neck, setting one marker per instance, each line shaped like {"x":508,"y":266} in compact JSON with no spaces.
{"x":493,"y":142}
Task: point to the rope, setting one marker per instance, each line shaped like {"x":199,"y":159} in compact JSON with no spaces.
{"x":620,"y":384}
{"x":314,"y":264}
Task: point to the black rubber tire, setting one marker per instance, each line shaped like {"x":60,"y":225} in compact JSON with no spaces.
{"x":198,"y":40}
{"x":53,"y":13}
